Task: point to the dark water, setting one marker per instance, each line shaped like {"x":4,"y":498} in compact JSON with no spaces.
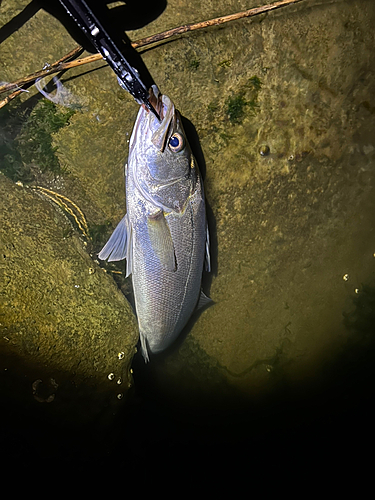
{"x":280,"y":370}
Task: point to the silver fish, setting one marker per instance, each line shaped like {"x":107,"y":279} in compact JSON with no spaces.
{"x":164,"y":234}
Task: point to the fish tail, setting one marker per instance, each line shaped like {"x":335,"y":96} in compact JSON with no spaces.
{"x":144,"y":347}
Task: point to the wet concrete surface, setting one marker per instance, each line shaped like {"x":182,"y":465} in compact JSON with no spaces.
{"x":283,"y":106}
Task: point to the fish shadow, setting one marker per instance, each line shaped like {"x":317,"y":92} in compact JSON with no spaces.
{"x":196,"y":148}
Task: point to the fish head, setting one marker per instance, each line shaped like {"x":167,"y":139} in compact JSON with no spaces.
{"x":165,"y":166}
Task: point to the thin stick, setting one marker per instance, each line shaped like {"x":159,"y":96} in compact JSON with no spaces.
{"x":60,"y":66}
{"x":212,"y":22}
{"x":9,"y":98}
{"x":54,"y":68}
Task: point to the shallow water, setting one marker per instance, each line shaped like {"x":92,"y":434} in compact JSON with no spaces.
{"x":283,"y":107}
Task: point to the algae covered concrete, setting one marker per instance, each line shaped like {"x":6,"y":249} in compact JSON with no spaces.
{"x":283,"y":106}
{"x":65,"y":326}
{"x":292,"y":230}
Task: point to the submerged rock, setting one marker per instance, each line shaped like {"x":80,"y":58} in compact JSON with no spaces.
{"x":68,"y":334}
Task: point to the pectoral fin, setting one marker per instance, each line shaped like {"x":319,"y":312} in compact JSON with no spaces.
{"x":161,"y":240}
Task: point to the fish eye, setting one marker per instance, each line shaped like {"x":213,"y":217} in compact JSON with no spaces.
{"x":176,"y":142}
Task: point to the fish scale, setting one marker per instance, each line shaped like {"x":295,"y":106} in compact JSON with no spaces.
{"x":164,"y":232}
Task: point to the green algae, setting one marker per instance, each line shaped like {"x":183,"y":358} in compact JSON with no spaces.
{"x":194,"y":64}
{"x":36,"y":137}
{"x":28,"y":139}
{"x":99,"y":233}
{"x":244,"y":102}
{"x":235,"y":108}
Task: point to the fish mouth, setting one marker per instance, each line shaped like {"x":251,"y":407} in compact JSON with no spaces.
{"x":155,"y":101}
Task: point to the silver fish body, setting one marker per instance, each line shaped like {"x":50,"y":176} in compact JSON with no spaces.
{"x":164,"y":233}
